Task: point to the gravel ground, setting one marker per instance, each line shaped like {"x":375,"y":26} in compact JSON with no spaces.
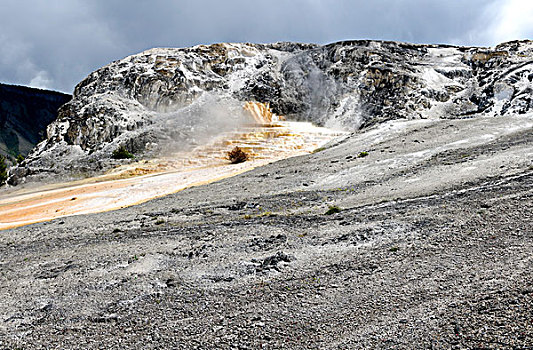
{"x":425,"y":242}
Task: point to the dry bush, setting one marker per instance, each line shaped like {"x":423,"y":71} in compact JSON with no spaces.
{"x":237,"y":155}
{"x":122,"y":153}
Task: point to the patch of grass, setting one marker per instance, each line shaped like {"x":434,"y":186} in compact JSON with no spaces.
{"x":20,"y":158}
{"x":333,"y":209}
{"x":237,"y":155}
{"x":160,"y":222}
{"x":122,"y":153}
{"x":340,"y":189}
{"x":259,"y":215}
{"x":362,"y":154}
{"x":319,"y":149}
{"x":394,"y":249}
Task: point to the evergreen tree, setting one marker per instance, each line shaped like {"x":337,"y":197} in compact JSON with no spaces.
{"x":3,"y":170}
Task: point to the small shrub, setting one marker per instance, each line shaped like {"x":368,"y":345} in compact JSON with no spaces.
{"x":3,"y":170}
{"x":20,"y":158}
{"x":333,"y":209}
{"x":394,"y":249}
{"x":122,"y":153}
{"x":237,"y":155}
{"x":362,"y":154}
{"x":319,"y":149}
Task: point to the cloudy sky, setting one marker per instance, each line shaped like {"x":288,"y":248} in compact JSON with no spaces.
{"x":56,"y":43}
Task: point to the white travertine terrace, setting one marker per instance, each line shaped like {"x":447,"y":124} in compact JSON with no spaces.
{"x":135,"y":183}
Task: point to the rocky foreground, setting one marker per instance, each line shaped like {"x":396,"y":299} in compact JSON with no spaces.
{"x":410,"y":234}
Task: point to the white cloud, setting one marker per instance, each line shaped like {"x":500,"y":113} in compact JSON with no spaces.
{"x":503,"y":20}
{"x":514,"y":20}
{"x":42,"y":80}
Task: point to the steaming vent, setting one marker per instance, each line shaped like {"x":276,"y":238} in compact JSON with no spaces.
{"x":266,"y":138}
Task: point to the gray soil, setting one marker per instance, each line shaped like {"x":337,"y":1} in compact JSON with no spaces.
{"x":425,"y":242}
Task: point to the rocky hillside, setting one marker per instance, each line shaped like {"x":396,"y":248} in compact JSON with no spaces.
{"x":172,"y":95}
{"x":24,"y":115}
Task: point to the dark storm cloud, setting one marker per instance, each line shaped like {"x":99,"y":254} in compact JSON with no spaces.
{"x":56,"y":43}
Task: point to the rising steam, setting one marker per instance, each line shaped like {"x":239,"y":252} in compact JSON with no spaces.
{"x":206,"y":118}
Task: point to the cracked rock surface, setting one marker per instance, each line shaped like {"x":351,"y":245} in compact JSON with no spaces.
{"x":431,"y":247}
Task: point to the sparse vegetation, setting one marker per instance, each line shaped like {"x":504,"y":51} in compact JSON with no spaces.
{"x":237,"y":155}
{"x":394,"y":249}
{"x":20,"y":158}
{"x":333,"y":209}
{"x":362,"y":154}
{"x":259,"y":215}
{"x":122,"y":153}
{"x":3,"y":170}
{"x":319,"y":149}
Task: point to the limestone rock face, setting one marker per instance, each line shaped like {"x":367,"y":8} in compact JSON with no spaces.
{"x":179,"y":96}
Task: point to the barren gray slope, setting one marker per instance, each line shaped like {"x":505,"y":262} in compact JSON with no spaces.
{"x":432,"y":249}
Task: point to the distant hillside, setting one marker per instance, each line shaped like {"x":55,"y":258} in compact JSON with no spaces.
{"x":24,"y":115}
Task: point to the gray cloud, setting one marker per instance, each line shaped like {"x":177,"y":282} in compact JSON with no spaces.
{"x":56,"y":43}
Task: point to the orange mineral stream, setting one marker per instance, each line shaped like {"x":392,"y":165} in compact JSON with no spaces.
{"x":267,"y":140}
